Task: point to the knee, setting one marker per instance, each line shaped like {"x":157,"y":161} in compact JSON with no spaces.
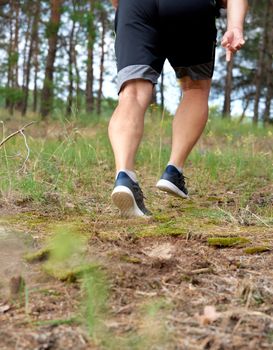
{"x":137,"y":92}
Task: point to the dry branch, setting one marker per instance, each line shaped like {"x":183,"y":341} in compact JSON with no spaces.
{"x":20,"y":131}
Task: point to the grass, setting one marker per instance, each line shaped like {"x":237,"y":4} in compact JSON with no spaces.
{"x":60,"y":167}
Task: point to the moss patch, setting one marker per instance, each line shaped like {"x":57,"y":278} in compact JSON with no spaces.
{"x":40,"y":255}
{"x":225,"y":242}
{"x":257,"y":250}
{"x":163,"y":230}
{"x":69,"y":274}
{"x":130,"y":259}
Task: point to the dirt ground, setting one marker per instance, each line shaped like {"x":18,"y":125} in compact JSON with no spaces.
{"x":217,"y":298}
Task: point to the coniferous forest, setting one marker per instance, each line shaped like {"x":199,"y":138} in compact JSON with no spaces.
{"x":58,"y":53}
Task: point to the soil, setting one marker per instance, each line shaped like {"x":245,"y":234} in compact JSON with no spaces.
{"x":183,"y":270}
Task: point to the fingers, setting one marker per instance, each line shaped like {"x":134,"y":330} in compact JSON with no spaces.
{"x":229,"y":55}
{"x":227,"y":39}
{"x":232,"y":41}
{"x":232,"y":45}
{"x":239,"y":45}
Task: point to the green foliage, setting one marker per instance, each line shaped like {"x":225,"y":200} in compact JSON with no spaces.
{"x":96,"y":295}
{"x":13,"y":58}
{"x":14,"y":95}
{"x":51,"y":29}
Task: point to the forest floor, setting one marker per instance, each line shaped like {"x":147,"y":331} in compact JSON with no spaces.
{"x":74,"y":275}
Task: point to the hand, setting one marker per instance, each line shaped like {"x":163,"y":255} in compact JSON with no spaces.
{"x":232,"y":41}
{"x":115,"y":3}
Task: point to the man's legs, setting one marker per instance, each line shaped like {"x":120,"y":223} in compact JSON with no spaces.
{"x":127,"y":122}
{"x":188,"y":125}
{"x":125,"y":133}
{"x":190,"y":119}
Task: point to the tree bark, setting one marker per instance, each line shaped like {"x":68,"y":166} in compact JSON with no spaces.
{"x":53,"y":28}
{"x":35,"y":15}
{"x":71,"y":52}
{"x":269,"y":70}
{"x":91,"y":35}
{"x":102,"y":59}
{"x":13,"y":54}
{"x":10,"y":59}
{"x":36,"y":65}
{"x":260,"y":69}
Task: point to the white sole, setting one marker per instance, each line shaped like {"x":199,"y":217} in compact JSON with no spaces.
{"x":167,"y":186}
{"x":123,"y":198}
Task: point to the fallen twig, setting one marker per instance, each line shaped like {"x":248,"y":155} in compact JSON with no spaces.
{"x":20,"y":131}
{"x":228,"y":214}
{"x":28,"y":152}
{"x":257,"y":217}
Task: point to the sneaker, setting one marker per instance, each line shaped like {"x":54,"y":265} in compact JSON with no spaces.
{"x":128,"y":197}
{"x":173,"y":182}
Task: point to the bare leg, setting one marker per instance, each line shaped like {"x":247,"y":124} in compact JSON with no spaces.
{"x":127,"y":123}
{"x":190,"y":119}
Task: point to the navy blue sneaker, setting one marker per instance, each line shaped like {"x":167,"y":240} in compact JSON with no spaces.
{"x":173,"y":182}
{"x":128,"y":197}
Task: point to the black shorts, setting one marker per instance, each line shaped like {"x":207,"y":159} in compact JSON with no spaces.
{"x":150,"y":31}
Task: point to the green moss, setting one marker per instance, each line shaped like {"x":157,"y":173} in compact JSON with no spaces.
{"x":130,"y":259}
{"x":49,"y":292}
{"x":161,"y":218}
{"x":169,"y":230}
{"x":163,"y":230}
{"x":71,"y":321}
{"x":257,"y":250}
{"x":225,"y":242}
{"x":69,"y":274}
{"x":40,"y":255}
{"x":186,"y":278}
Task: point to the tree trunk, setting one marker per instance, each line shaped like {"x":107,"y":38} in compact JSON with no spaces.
{"x":16,"y":42}
{"x":102,"y":58}
{"x":269,"y":70}
{"x":260,"y":70}
{"x":78,"y":79}
{"x":10,"y":59}
{"x":71,"y":52}
{"x":35,"y":13}
{"x":226,"y":112}
{"x":53,"y":28}
{"x":90,"y":51}
{"x":36,"y":63}
{"x":13,"y":70}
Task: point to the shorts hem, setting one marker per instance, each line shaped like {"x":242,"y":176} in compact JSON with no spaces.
{"x":197,"y":72}
{"x":138,"y":71}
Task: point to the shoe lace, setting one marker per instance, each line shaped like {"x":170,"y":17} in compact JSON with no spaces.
{"x":138,"y":192}
{"x":139,"y":196}
{"x":181,"y":178}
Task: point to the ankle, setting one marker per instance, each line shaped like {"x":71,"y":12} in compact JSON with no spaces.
{"x":179,"y":168}
{"x":130,"y":173}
